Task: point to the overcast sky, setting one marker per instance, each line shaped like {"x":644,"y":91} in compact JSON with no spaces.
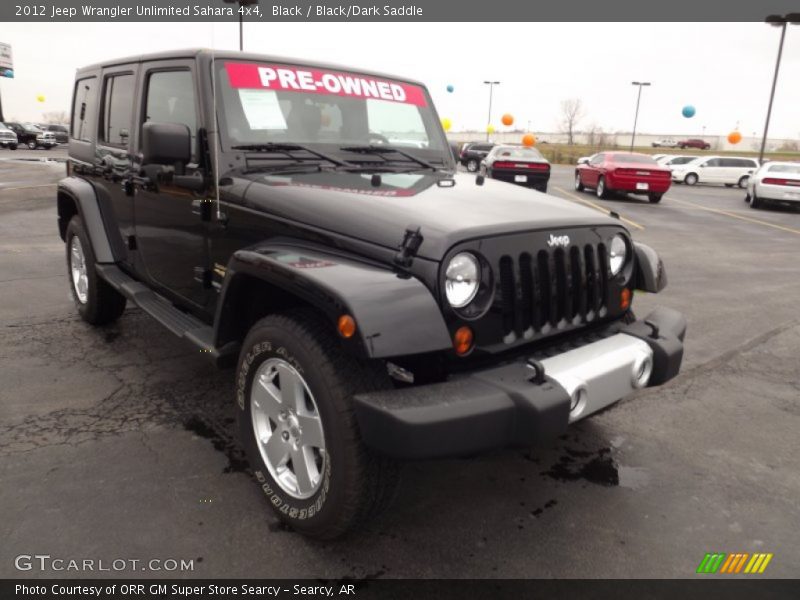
{"x":723,"y":69}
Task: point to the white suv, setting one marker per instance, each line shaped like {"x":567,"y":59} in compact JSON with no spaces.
{"x":730,"y":170}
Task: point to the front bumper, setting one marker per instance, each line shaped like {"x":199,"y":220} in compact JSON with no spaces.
{"x":514,"y":404}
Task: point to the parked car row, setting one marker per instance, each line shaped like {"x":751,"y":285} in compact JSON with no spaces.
{"x":14,"y":134}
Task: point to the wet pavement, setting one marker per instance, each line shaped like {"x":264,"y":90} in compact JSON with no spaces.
{"x":118,"y":442}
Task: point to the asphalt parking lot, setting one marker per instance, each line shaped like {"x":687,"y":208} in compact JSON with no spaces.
{"x":117,"y":442}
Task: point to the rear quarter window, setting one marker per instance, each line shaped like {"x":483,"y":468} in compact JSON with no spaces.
{"x":84,"y":108}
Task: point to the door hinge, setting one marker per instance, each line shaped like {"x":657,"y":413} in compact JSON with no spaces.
{"x":131,"y":242}
{"x":204,"y":276}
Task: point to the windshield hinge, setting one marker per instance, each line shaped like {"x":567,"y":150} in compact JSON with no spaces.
{"x":412,"y":240}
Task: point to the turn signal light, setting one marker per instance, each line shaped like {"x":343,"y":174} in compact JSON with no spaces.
{"x":625,"y":299}
{"x":346,"y":326}
{"x":462,"y":340}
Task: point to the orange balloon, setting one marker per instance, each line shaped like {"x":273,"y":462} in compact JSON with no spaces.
{"x":528,"y":139}
{"x":734,"y":137}
{"x":508,"y":120}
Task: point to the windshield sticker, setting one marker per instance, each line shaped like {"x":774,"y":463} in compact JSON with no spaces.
{"x":292,"y":79}
{"x":261,"y":109}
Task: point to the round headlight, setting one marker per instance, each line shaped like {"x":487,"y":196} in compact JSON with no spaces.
{"x":618,"y":252}
{"x":462,"y":279}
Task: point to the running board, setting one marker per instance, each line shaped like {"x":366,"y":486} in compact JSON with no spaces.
{"x":182,"y":324}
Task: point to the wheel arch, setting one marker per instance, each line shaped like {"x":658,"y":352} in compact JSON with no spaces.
{"x":395,"y":315}
{"x":76,"y":196}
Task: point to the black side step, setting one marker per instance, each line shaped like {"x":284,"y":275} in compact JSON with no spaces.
{"x":162,"y":310}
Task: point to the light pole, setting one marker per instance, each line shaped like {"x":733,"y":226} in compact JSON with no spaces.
{"x":641,"y":84}
{"x":491,"y":85}
{"x":777,"y":21}
{"x":241,"y":3}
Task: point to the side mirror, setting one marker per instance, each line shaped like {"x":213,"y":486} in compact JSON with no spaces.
{"x":166,"y":143}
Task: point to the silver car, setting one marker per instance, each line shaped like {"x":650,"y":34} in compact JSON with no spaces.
{"x":774,"y":183}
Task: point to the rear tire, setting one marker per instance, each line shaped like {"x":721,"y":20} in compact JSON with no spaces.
{"x":578,"y":184}
{"x":342,"y":482}
{"x":32,"y":145}
{"x":655,"y":198}
{"x":755,"y":202}
{"x":472,"y":165}
{"x":97,"y":302}
{"x":743,"y":182}
{"x":13,"y":146}
{"x":690,"y":179}
{"x":601,"y":190}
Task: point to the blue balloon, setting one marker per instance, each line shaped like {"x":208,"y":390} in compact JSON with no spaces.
{"x":688,"y":111}
{"x":450,"y":88}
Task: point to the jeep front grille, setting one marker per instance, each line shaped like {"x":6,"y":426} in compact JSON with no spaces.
{"x":552,"y":289}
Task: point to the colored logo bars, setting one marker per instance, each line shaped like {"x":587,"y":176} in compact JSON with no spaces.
{"x":737,"y":562}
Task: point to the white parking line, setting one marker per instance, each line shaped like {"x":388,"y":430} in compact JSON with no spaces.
{"x":735,"y":216}
{"x":598,"y":207}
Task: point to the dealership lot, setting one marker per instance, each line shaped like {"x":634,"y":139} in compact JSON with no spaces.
{"x":117,"y":442}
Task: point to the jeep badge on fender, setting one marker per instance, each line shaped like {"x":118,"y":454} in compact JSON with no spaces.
{"x":306,"y":224}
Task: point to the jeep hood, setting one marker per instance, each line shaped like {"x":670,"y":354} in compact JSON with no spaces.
{"x":447,"y":209}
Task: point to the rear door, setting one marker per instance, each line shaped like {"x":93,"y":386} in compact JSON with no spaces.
{"x":712,"y":171}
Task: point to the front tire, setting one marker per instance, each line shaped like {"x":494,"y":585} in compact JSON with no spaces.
{"x":578,"y":183}
{"x":97,"y":302}
{"x":472,"y":165}
{"x":32,"y":145}
{"x":690,"y":179}
{"x":13,"y":146}
{"x":296,"y":421}
{"x":743,"y":182}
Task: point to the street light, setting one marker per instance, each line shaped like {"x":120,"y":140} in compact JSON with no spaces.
{"x":776,"y":21}
{"x":241,"y":3}
{"x":638,"y":99}
{"x":491,"y":85}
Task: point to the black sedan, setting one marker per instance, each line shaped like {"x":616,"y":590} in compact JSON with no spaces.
{"x":517,"y":164}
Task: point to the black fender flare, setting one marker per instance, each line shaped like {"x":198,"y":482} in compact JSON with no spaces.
{"x":395,"y":314}
{"x":650,"y":276}
{"x":85,"y":198}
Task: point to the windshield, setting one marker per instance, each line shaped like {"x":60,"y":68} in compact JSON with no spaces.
{"x":517,"y":152}
{"x":639,"y":159}
{"x":785,"y":169}
{"x":31,"y":128}
{"x":264,"y":103}
{"x":4,"y":128}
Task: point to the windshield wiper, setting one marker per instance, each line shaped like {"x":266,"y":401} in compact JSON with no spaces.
{"x":287,"y":149}
{"x":380,"y":150}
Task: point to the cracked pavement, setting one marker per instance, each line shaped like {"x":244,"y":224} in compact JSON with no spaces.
{"x":118,"y":442}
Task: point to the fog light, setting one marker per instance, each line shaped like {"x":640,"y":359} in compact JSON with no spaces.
{"x":642,"y":369}
{"x":578,"y":400}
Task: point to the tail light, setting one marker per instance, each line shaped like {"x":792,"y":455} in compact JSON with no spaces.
{"x":776,"y":181}
{"x":521,"y":165}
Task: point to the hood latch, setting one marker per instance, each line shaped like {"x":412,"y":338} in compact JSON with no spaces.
{"x":412,"y":240}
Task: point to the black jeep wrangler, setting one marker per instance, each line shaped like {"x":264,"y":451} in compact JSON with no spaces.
{"x":306,"y":223}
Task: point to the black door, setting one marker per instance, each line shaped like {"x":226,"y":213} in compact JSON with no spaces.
{"x":170,"y":235}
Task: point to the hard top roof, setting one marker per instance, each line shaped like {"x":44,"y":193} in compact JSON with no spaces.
{"x":208,"y":54}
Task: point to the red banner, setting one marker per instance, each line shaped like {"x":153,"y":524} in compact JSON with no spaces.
{"x":313,"y":81}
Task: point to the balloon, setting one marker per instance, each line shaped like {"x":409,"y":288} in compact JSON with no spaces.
{"x":528,"y":140}
{"x":40,"y":98}
{"x":734,"y":137}
{"x":508,"y":120}
{"x":450,"y":88}
{"x":446,"y":124}
{"x":688,"y":111}
{"x":490,"y":129}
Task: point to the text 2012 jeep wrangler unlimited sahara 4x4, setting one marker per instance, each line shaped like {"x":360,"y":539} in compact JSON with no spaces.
{"x":307,"y":223}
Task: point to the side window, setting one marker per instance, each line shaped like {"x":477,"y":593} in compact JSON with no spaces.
{"x":84,"y":106}
{"x":714,"y":162}
{"x":171,"y":99}
{"x":597,"y":160}
{"x":115,"y":122}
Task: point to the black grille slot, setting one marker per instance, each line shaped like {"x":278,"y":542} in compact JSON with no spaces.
{"x":508,"y":293}
{"x":552,"y":289}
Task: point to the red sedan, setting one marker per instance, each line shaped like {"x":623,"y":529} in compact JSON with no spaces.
{"x":609,"y":172}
